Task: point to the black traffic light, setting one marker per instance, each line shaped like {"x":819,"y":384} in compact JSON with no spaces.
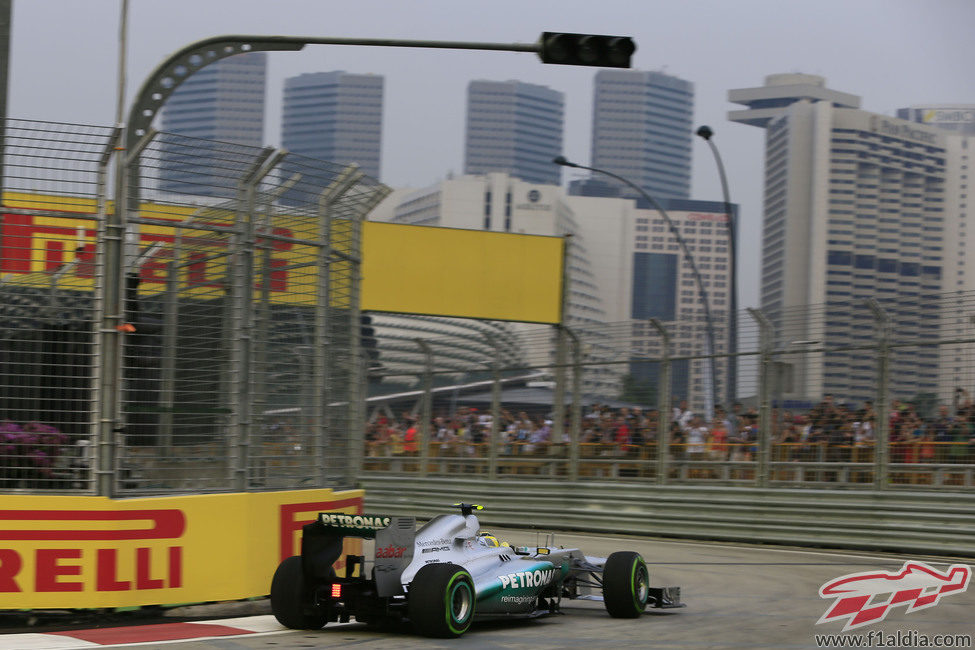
{"x":586,"y":49}
{"x":367,"y":339}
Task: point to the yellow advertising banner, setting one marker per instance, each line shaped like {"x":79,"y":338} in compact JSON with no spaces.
{"x":405,"y":269}
{"x":89,"y":552}
{"x":463,"y":273}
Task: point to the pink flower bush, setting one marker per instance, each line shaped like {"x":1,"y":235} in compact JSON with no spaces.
{"x":31,"y":446}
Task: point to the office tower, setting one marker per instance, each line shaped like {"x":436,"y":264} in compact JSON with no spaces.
{"x":642,"y":127}
{"x":854,"y":210}
{"x":643,"y":274}
{"x":958,"y":120}
{"x":221,"y":102}
{"x":335,"y":116}
{"x":514,"y":128}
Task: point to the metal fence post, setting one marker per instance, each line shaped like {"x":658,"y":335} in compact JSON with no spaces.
{"x":167,"y":388}
{"x":558,"y":396}
{"x":104,"y":334}
{"x":766,"y":340}
{"x":359,"y":370}
{"x":495,"y":434}
{"x":425,"y":405}
{"x":575,"y":425}
{"x":663,"y":404}
{"x":112,"y":312}
{"x":881,"y":457}
{"x":320,"y":347}
{"x":241,"y":320}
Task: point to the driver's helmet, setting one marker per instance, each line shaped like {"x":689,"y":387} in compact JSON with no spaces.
{"x":487,"y":539}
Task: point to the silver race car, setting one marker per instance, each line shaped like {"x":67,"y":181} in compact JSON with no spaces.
{"x":447,"y":574}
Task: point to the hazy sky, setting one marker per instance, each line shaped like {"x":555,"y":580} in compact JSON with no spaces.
{"x":892,"y":53}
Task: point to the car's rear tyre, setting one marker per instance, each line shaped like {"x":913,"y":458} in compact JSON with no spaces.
{"x":441,"y":600}
{"x":626,"y":584}
{"x":290,"y":597}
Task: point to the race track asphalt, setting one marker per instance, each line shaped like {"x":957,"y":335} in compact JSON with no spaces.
{"x":737,"y":597}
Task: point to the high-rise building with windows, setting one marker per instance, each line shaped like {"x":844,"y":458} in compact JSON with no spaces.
{"x":642,"y":130}
{"x":957,"y":120}
{"x":856,"y":208}
{"x":336,"y":117}
{"x":221,"y":102}
{"x":515,"y":128}
{"x":643,"y":274}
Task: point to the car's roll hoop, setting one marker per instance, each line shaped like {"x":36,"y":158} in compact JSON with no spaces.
{"x":468,"y":508}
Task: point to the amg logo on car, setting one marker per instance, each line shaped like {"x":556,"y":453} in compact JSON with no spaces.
{"x":525,"y":579}
{"x":390,"y":551}
{"x":365,"y":522}
{"x":436,"y":549}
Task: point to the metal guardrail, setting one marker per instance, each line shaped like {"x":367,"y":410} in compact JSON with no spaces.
{"x":905,"y":522}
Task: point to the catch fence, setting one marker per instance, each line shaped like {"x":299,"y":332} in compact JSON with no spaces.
{"x":878,"y":408}
{"x":207,"y":337}
{"x":234,"y":273}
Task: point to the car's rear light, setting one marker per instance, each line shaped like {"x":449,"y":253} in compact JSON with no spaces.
{"x":336,"y":590}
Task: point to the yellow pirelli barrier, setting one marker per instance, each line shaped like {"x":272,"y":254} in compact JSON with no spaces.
{"x":406,"y":269}
{"x":88,"y":552}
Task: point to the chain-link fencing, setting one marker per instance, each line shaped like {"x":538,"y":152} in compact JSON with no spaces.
{"x":236,"y":274}
{"x":875,"y":407}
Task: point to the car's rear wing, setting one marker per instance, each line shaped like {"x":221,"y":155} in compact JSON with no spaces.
{"x":321,"y":547}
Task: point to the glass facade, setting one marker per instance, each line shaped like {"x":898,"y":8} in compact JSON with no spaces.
{"x":642,"y":130}
{"x":515,"y":128}
{"x":336,"y":117}
{"x":222,"y":102}
{"x":654,"y":286}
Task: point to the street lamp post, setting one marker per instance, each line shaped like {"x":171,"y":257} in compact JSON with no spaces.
{"x":731,"y":391}
{"x":708,"y":323}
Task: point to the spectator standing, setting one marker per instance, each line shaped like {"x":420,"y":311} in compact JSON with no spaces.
{"x":411,"y":442}
{"x":697,"y":437}
{"x":718,"y":446}
{"x":941,"y":430}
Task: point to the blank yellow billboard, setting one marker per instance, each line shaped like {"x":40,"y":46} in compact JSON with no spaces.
{"x":464,"y":273}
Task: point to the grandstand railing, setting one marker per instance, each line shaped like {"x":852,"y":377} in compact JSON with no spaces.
{"x":793,"y":464}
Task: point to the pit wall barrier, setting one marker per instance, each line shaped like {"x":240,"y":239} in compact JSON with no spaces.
{"x":903,"y":522}
{"x":65,"y":552}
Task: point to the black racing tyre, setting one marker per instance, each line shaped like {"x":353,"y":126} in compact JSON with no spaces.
{"x":626,"y":584}
{"x":441,"y":600}
{"x":290,"y":596}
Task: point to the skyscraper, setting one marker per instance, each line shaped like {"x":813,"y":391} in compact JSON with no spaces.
{"x":515,"y":128}
{"x":642,"y":126}
{"x":854,"y":210}
{"x":958,"y":120}
{"x":222,"y":102}
{"x":335,"y":116}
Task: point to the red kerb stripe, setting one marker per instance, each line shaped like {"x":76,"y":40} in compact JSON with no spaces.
{"x":151,"y":633}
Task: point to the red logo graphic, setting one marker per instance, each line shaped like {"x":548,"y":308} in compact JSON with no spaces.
{"x":866,"y":598}
{"x":390,"y":551}
{"x":60,"y":569}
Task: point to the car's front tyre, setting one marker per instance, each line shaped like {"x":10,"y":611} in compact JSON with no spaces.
{"x":441,"y":600}
{"x":626,"y":584}
{"x":291,"y":598}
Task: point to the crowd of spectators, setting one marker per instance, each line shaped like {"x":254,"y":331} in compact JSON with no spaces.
{"x":828,"y":432}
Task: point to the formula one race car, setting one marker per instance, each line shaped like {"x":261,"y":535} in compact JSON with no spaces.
{"x":447,"y":574}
